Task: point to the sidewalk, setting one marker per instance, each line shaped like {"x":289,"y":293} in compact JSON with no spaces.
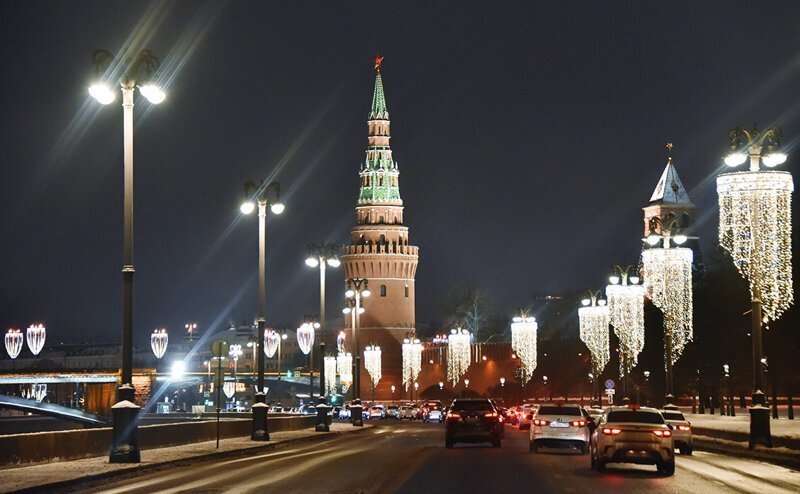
{"x":41,"y":478}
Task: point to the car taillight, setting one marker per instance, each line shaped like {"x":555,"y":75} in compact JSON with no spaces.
{"x":540,"y":422}
{"x":684,"y":427}
{"x":608,"y":431}
{"x":529,"y":416}
{"x":491,"y":414}
{"x":452,"y":415}
{"x":578,"y":423}
{"x":662,"y":433}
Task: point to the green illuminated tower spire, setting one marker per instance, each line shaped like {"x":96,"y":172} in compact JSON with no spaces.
{"x":379,"y":174}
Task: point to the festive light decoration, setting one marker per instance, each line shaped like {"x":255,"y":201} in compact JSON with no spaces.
{"x":35,"y":337}
{"x":33,"y":391}
{"x":305,"y":337}
{"x":412,"y":361}
{"x":229,"y":388}
{"x":755,"y":227}
{"x":668,"y":281}
{"x":340,"y":341}
{"x":524,"y":331}
{"x":458,"y":354}
{"x":159,"y":341}
{"x":594,"y":319}
{"x":344,"y":365}
{"x":272,"y":341}
{"x":14,"y":341}
{"x":626,"y":313}
{"x":330,"y":375}
{"x":372,"y":362}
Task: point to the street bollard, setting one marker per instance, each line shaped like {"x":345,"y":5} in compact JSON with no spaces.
{"x":742,"y":401}
{"x":774,"y":402}
{"x":694,"y":404}
{"x":733,"y":406}
{"x":790,"y":409}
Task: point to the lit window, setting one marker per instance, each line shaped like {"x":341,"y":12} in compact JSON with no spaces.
{"x":406,"y":291}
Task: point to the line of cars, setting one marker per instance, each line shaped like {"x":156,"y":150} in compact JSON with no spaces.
{"x":429,"y":411}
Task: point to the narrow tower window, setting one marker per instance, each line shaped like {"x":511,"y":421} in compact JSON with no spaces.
{"x":406,"y":291}
{"x":383,"y":290}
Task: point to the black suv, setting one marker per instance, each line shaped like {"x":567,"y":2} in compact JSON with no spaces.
{"x":472,"y":421}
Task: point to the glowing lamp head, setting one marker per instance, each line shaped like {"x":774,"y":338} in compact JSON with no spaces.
{"x":601,"y":302}
{"x":347,"y":310}
{"x":361,"y":310}
{"x":774,"y":159}
{"x":102,"y":93}
{"x":312,"y":262}
{"x":502,"y":380}
{"x":680,"y":239}
{"x":153,"y":93}
{"x":277,"y":208}
{"x":334,"y":262}
{"x":178,"y":367}
{"x":634,"y":280}
{"x":735,"y":159}
{"x":614,"y":279}
{"x":366,"y":293}
{"x":350,"y":293}
{"x":247,"y":207}
{"x":441,"y":384}
{"x":652,"y":239}
{"x":585,"y":302}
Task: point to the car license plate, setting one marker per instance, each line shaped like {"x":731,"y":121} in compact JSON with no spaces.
{"x":559,"y":424}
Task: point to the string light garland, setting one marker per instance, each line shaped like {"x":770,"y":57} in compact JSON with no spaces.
{"x":626,"y":314}
{"x":458,"y":354}
{"x":412,"y":361}
{"x":229,"y":388}
{"x":330,"y":375}
{"x":35,"y":337}
{"x":159,"y":341}
{"x":755,"y":227}
{"x":344,"y":366}
{"x":668,"y":281}
{"x":14,"y":341}
{"x":524,"y":331}
{"x":372,"y":362}
{"x":594,"y":320}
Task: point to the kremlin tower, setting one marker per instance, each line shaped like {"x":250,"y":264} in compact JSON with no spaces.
{"x":381,"y":253}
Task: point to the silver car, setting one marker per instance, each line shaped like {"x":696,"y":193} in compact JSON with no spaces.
{"x":560,"y":426}
{"x":681,"y":430}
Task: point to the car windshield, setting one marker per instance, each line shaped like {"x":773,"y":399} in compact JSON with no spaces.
{"x":640,"y":417}
{"x":566,"y":411}
{"x":673,"y":416}
{"x":471,"y":405}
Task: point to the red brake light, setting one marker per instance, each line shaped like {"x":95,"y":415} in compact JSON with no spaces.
{"x":578,"y":423}
{"x":491,"y":414}
{"x":540,"y":422}
{"x":662,"y":433}
{"x":453,"y":415}
{"x":684,"y":427}
{"x":608,"y":431}
{"x":634,"y":406}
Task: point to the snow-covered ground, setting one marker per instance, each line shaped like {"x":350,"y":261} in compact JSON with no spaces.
{"x":741,"y":423}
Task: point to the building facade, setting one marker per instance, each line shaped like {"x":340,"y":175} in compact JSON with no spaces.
{"x":380,"y":251}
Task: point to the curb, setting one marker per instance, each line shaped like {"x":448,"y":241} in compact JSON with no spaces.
{"x":740,"y":450}
{"x":151,"y":467}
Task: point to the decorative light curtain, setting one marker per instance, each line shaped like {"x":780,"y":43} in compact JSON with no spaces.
{"x":523,"y":341}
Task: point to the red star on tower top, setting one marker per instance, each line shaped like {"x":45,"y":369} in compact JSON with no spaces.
{"x":378,"y":62}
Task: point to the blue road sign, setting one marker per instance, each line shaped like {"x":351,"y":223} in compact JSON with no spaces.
{"x":609,"y":384}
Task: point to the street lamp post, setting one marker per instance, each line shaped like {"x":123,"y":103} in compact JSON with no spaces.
{"x":260,"y":195}
{"x":125,"y":448}
{"x":322,"y":255}
{"x":756,"y":229}
{"x":356,"y":289}
{"x":393,"y":388}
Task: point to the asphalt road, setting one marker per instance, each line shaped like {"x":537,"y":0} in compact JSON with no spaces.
{"x":411,"y":458}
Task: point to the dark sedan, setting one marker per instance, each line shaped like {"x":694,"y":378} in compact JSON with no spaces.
{"x":472,"y":421}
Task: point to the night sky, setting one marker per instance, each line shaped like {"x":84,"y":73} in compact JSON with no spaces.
{"x":528,"y":139}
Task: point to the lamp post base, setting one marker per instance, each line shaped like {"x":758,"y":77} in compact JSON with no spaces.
{"x":356,"y":414}
{"x":124,"y":414}
{"x":759,"y":427}
{"x":260,"y":428}
{"x":322,"y":416}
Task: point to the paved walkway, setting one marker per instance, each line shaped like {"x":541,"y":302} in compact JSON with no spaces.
{"x":37,"y":477}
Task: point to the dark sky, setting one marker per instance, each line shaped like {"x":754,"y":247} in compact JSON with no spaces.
{"x":528,"y":139}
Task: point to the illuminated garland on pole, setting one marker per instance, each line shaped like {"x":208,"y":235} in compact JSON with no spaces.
{"x":668,"y":281}
{"x":412,"y":361}
{"x":35,"y":337}
{"x":272,"y":341}
{"x":458,"y":354}
{"x":523,"y":341}
{"x":372,"y":362}
{"x":626,"y":313}
{"x":14,"y":341}
{"x":330,"y":375}
{"x":159,"y":341}
{"x":594,"y":321}
{"x":344,"y":366}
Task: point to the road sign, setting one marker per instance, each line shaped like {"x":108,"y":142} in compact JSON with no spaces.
{"x":609,"y":384}
{"x":610,"y":391}
{"x":219,"y":348}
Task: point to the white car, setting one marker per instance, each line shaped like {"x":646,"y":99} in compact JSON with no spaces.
{"x":344,"y":413}
{"x":559,"y":426}
{"x":681,"y":430}
{"x":435,"y":415}
{"x":377,"y":412}
{"x":525,"y":417}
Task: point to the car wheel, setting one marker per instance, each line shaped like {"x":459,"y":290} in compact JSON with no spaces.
{"x":448,"y":444}
{"x":667,"y":468}
{"x":688,"y":451}
{"x":496,"y":442}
